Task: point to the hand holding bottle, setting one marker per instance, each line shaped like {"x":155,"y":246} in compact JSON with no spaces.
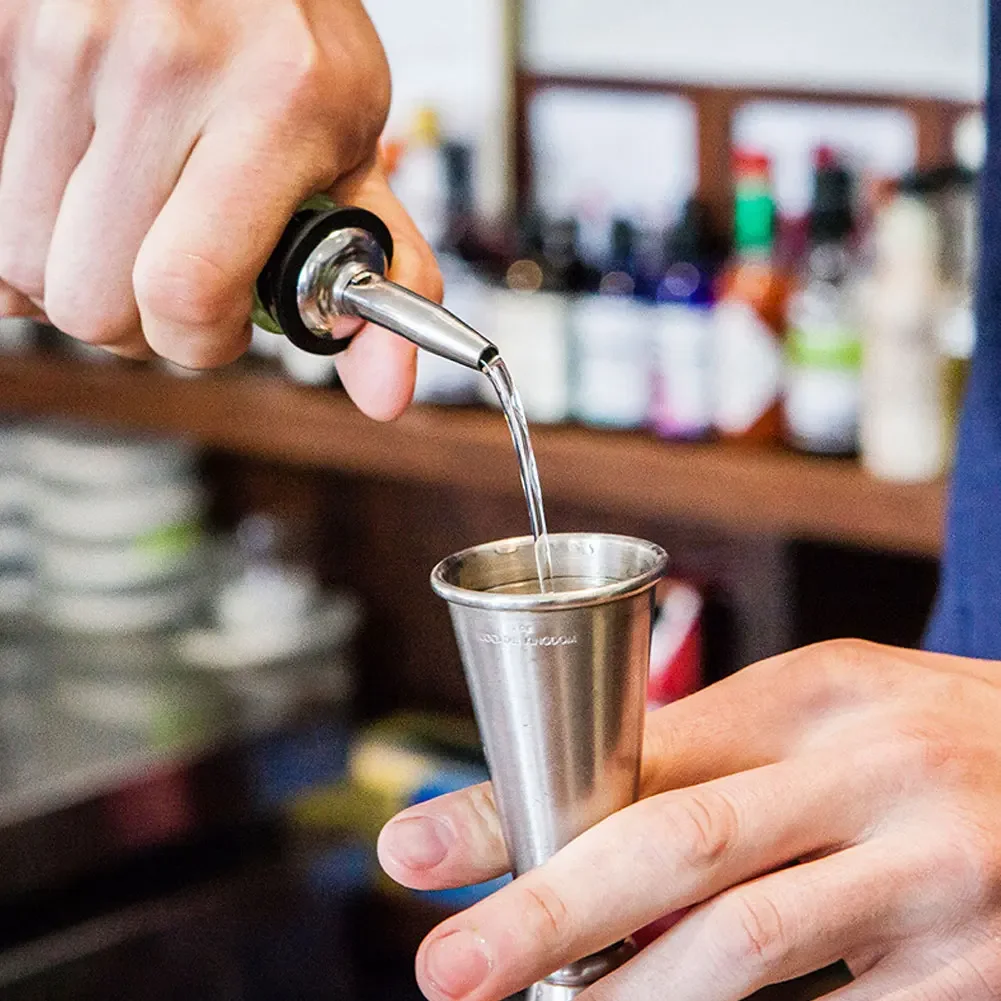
{"x":153,"y":151}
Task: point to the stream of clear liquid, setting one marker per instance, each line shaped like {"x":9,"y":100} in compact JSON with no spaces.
{"x":500,"y":378}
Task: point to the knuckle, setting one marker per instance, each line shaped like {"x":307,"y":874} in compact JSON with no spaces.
{"x":962,"y":862}
{"x":88,"y":324}
{"x":162,"y":52}
{"x":844,"y":656}
{"x":8,"y":37}
{"x":922,"y":749}
{"x":706,"y":825}
{"x":370,"y":111}
{"x":21,"y":275}
{"x":753,"y":931}
{"x":363,"y":72}
{"x":933,"y":752}
{"x":546,"y":912}
{"x":186,"y":289}
{"x":333,"y":93}
{"x":297,"y":82}
{"x":830,"y":673}
{"x":363,"y":51}
{"x":66,"y":39}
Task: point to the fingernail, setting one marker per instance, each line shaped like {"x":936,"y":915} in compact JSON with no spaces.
{"x":457,"y":964}
{"x":418,"y":842}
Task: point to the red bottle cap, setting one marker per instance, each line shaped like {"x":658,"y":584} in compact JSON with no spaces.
{"x":825,"y":158}
{"x":750,"y":163}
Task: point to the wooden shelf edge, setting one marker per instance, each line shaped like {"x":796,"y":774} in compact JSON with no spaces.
{"x":733,"y":488}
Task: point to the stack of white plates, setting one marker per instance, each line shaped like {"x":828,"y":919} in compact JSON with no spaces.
{"x":17,"y":556}
{"x":117,"y":521}
{"x":17,"y":334}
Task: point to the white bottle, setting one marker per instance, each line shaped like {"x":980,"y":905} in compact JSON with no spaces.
{"x":682,"y":405}
{"x":530,"y":328}
{"x":612,"y":342}
{"x":822,"y":390}
{"x":306,"y":368}
{"x":439,"y":380}
{"x":612,"y":338}
{"x":420,"y":180}
{"x":904,"y":426}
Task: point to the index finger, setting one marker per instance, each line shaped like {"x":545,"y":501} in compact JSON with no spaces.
{"x":739,"y":724}
{"x":664,"y":854}
{"x":195,"y":272}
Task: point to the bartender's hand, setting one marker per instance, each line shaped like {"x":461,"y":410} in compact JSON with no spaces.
{"x":841,"y":802}
{"x":153,"y":150}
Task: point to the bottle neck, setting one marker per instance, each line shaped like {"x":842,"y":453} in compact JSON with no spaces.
{"x":755,"y":253}
{"x":754,"y":220}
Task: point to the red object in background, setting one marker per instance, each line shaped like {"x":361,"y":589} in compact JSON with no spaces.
{"x":676,"y":646}
{"x":391,"y":151}
{"x":825,"y":158}
{"x":159,"y":809}
{"x":752,"y":164}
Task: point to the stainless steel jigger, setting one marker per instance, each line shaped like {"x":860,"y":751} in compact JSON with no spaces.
{"x":559,"y":686}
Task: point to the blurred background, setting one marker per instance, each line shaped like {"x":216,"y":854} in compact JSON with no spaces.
{"x":729,"y":253}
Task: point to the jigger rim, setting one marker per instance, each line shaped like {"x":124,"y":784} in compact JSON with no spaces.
{"x":654,"y":566}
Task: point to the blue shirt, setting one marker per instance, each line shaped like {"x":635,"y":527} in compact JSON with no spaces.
{"x":967,"y":618}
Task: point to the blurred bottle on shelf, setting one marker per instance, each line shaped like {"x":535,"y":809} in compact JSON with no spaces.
{"x":441,"y":381}
{"x":420,"y":178}
{"x":956,"y":202}
{"x":438,"y":380}
{"x":682,"y":403}
{"x":750,"y":319}
{"x":650,"y":256}
{"x":904,"y":426}
{"x":303,"y":367}
{"x":528,"y":316}
{"x":611,"y":337}
{"x":824,"y":350}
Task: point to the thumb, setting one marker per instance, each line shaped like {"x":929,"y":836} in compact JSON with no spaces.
{"x":455,"y":840}
{"x":379,"y":368}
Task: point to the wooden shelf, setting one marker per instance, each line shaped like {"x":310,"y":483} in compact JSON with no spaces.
{"x":739,"y":489}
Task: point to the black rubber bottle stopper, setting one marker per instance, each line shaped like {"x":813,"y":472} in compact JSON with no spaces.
{"x":278,"y":285}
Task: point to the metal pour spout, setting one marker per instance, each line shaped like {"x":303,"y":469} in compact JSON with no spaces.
{"x":426,"y":324}
{"x":330,"y":265}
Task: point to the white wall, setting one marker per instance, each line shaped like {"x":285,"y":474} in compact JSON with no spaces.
{"x":598,"y":156}
{"x":926,"y":47}
{"x":450,"y":54}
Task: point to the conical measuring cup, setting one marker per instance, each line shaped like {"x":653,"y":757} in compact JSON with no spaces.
{"x":558,"y":682}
